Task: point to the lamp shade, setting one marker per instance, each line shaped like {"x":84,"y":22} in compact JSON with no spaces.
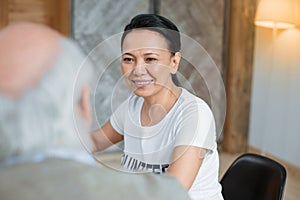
{"x":276,"y":13}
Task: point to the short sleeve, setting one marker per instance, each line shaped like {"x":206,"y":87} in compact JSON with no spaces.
{"x":196,"y":126}
{"x":117,"y":118}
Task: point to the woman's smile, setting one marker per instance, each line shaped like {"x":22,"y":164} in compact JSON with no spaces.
{"x":142,"y":83}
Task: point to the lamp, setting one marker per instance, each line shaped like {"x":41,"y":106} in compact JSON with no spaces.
{"x":279,"y":14}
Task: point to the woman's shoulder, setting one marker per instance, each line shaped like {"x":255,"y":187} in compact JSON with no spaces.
{"x":189,"y":100}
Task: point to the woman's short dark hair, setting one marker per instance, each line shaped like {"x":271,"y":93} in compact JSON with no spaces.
{"x":158,"y":24}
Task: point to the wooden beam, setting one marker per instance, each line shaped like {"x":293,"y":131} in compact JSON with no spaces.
{"x":26,"y":10}
{"x":63,"y":15}
{"x":3,"y":13}
{"x":58,"y":14}
{"x":239,"y":75}
{"x":54,"y":13}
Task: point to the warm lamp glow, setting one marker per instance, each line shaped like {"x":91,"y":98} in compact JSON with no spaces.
{"x":280,"y":14}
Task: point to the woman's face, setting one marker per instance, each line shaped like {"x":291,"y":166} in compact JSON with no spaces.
{"x":147,"y":63}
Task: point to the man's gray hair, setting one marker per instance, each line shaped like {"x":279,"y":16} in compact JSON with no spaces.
{"x":42,"y":119}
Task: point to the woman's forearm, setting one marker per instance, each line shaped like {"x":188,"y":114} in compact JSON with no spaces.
{"x":104,"y":137}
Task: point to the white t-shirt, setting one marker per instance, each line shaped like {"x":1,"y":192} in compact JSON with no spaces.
{"x":190,"y":122}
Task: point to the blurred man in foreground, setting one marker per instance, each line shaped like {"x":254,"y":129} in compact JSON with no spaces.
{"x":40,"y":154}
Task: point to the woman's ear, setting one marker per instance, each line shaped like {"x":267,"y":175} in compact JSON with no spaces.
{"x":175,"y":60}
{"x":84,"y":105}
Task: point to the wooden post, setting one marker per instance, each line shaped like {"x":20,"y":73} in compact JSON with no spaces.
{"x":239,"y":74}
{"x":3,"y":13}
{"x":58,"y":14}
{"x":54,"y":13}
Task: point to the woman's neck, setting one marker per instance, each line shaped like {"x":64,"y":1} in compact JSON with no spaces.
{"x":156,"y":107}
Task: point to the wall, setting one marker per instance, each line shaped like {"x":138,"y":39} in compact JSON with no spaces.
{"x":275,"y":108}
{"x":97,"y":22}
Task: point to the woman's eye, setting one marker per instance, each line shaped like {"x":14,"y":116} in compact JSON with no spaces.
{"x":151,"y":60}
{"x":128,"y":60}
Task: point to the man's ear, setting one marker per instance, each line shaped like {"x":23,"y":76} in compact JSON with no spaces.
{"x":175,"y":60}
{"x":84,"y":105}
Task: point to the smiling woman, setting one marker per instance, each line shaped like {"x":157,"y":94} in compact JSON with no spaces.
{"x":148,"y":70}
{"x":165,"y":128}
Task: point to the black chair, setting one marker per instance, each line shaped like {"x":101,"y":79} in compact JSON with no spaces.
{"x":254,"y":177}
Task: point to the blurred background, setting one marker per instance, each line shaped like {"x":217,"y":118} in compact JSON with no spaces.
{"x":255,"y":45}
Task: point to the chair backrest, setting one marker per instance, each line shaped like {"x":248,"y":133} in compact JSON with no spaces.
{"x":254,"y":177}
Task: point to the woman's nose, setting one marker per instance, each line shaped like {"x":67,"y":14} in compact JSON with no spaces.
{"x":139,"y":70}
